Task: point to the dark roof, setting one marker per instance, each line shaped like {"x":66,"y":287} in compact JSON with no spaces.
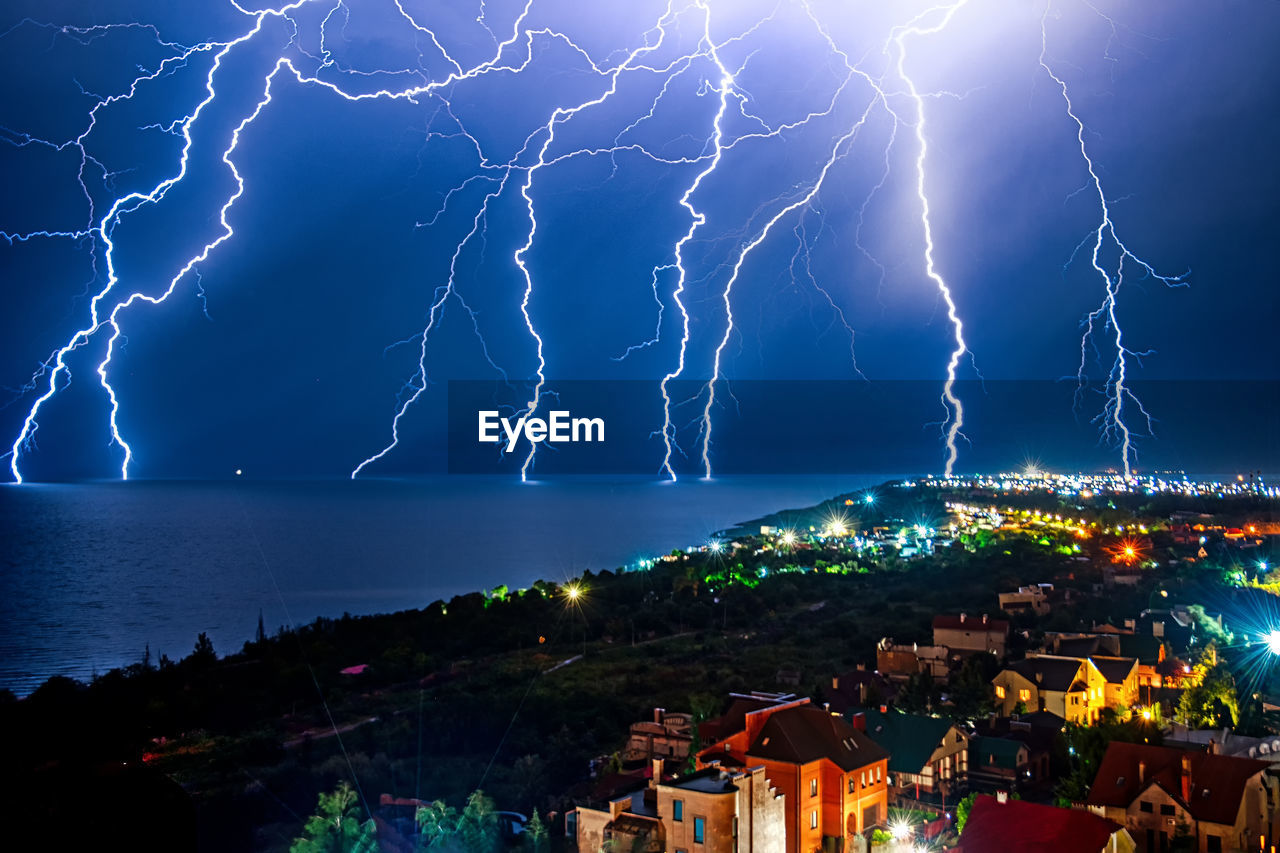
{"x":1049,"y":673}
{"x":962,"y":622}
{"x":1114,"y":670}
{"x":1144,"y":647}
{"x":1018,"y":827}
{"x":709,"y":781}
{"x":807,"y":733}
{"x":1044,"y":720}
{"x":995,"y":752}
{"x":908,"y":738}
{"x":1078,"y":647}
{"x":1217,"y":781}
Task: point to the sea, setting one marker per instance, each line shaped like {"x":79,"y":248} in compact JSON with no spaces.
{"x":94,"y":574}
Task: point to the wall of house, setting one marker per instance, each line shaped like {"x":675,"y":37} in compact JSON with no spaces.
{"x":762,"y":814}
{"x":978,"y":639}
{"x":1013,"y":683}
{"x":590,"y":836}
{"x":716,"y":810}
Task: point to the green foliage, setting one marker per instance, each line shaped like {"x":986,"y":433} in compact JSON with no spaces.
{"x":476,"y":829}
{"x":1213,"y":701}
{"x":1088,"y":744}
{"x":919,"y":694}
{"x":962,"y":811}
{"x":336,"y":826}
{"x":971,"y":691}
{"x":536,"y":834}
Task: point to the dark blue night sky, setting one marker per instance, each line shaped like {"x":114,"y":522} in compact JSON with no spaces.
{"x":289,"y":350}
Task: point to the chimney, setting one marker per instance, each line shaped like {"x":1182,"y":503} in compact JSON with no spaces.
{"x":835,"y":682}
{"x":862,"y":667}
{"x":984,"y":618}
{"x":1213,"y":746}
{"x":1186,"y":778}
{"x":1002,"y":797}
{"x":884,"y":709}
{"x":859,"y":722}
{"x":657,"y":715}
{"x":962,"y":618}
{"x":656,"y":764}
{"x":1142,"y":771}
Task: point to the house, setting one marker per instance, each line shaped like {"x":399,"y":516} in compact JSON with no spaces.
{"x":999,"y":825}
{"x":901,"y":662}
{"x":998,"y":763}
{"x":965,"y":634}
{"x":710,"y":811}
{"x":1222,"y":803}
{"x":1072,"y":688}
{"x":834,"y":777}
{"x":1014,"y":753}
{"x":1121,"y":675}
{"x":928,"y":756}
{"x":1033,"y":599}
{"x":669,"y":735}
{"x":859,"y":688}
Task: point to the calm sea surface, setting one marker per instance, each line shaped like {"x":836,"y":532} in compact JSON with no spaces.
{"x":92,"y":573}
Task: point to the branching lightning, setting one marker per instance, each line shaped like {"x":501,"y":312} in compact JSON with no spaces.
{"x":1114,"y":425}
{"x":694,"y":51}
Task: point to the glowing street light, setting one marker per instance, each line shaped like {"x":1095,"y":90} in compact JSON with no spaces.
{"x":1273,"y":642}
{"x":900,"y":830}
{"x":869,"y":499}
{"x":573,"y":592}
{"x":715,"y":546}
{"x":789,"y":538}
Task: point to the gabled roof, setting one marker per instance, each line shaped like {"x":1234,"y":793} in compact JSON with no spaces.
{"x":1048,"y":673}
{"x":808,"y":733}
{"x":1115,"y":670}
{"x":964,"y":622}
{"x":1018,"y":827}
{"x":909,"y":738}
{"x":733,"y":720}
{"x":1216,"y":785}
{"x":1078,"y":647}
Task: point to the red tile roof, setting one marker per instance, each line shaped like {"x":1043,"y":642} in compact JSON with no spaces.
{"x":1216,"y":785}
{"x":1018,"y":827}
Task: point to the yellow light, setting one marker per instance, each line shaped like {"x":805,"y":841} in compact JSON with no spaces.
{"x":1146,"y":713}
{"x":573,"y":591}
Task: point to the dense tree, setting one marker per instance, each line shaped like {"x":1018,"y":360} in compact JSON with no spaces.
{"x":475,"y":829}
{"x":1212,"y":703}
{"x":336,"y":826}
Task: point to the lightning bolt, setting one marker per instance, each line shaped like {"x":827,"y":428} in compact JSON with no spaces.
{"x":1114,"y":426}
{"x":951,"y":403}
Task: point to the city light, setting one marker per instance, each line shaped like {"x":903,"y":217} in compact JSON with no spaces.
{"x":900,"y":830}
{"x":1273,"y":642}
{"x":715,"y":546}
{"x":573,"y":592}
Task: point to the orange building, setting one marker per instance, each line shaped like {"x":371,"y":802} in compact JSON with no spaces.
{"x":833,"y":777}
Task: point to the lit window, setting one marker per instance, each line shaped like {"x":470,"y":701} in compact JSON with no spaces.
{"x":852,"y":785}
{"x":813,"y":787}
{"x":813,"y":819}
{"x":878,"y":776}
{"x":1024,"y":695}
{"x":677,"y":809}
{"x":699,"y":830}
{"x":999,"y":691}
{"x":864,"y":778}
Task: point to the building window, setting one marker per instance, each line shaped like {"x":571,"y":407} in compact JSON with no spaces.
{"x":699,"y":830}
{"x":677,"y":810}
{"x":864,"y":778}
{"x":1024,"y":695}
{"x":813,"y":819}
{"x":999,"y":691}
{"x":1166,"y":808}
{"x":878,"y":776}
{"x":1145,"y":807}
{"x":813,"y":787}
{"x":1214,"y":843}
{"x":853,"y":786}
